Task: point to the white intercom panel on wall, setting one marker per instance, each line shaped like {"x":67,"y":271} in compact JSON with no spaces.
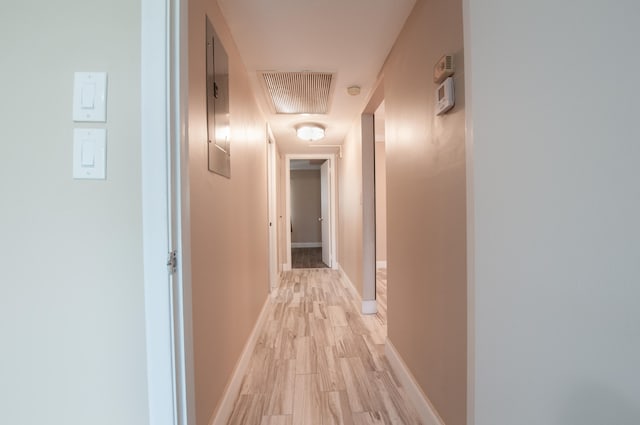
{"x":445,"y":97}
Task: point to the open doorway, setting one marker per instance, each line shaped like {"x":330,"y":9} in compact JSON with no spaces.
{"x":381,"y":210}
{"x":272,"y":194}
{"x":381,"y":187}
{"x":374,"y":204}
{"x":310,"y":192}
{"x":309,"y":202}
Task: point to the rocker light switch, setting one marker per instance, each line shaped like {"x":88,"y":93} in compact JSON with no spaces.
{"x":89,"y":153}
{"x":90,"y":96}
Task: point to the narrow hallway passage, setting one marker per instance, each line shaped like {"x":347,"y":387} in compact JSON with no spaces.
{"x":318,"y":361}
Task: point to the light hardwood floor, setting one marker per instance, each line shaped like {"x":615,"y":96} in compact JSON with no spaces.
{"x":319,"y":362}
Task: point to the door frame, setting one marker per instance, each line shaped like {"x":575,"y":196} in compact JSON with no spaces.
{"x":272,"y":193}
{"x":368,"y":139}
{"x":165,"y":211}
{"x":369,"y":302}
{"x":325,"y":211}
{"x":332,"y":200}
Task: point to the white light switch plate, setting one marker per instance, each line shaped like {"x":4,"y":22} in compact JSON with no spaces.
{"x":90,"y":97}
{"x":90,"y":153}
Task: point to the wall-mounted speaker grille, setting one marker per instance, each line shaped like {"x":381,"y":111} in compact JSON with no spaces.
{"x":298,"y":92}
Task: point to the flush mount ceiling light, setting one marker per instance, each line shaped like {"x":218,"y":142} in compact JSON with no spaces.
{"x":353,"y":90}
{"x":310,"y":132}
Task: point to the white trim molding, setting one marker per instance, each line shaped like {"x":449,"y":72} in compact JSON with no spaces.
{"x":306,"y":244}
{"x":161,"y":55}
{"x":286,"y":267}
{"x":369,"y":306}
{"x":425,"y":410}
{"x":231,"y":392}
{"x":381,"y":264}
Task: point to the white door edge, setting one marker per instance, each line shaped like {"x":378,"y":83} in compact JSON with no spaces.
{"x":163,"y":122}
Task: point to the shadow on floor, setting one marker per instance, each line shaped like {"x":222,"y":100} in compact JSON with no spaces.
{"x":307,"y":258}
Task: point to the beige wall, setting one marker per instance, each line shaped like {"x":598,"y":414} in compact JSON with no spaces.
{"x":305,"y":206}
{"x":381,"y":202}
{"x":426,"y":208}
{"x":350,"y":207}
{"x":228,"y":221}
{"x":72,"y":300}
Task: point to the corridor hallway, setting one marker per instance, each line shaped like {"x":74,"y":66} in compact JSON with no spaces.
{"x":318,"y":361}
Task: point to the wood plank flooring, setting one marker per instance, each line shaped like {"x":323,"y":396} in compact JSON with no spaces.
{"x":307,"y":258}
{"x":318,"y":361}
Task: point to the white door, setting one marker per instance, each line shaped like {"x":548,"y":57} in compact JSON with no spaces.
{"x":325,"y":208}
{"x":166,"y":260}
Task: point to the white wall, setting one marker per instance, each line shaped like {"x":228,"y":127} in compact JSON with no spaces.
{"x":555,"y":170}
{"x":71,"y":285}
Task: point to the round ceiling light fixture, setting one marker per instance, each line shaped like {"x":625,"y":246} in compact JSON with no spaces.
{"x":353,"y":90}
{"x":310,"y":132}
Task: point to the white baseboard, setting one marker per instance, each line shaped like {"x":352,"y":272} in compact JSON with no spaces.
{"x":381,"y":264}
{"x":425,"y":410}
{"x":306,"y":244}
{"x":369,"y":306}
{"x":231,"y":392}
{"x":349,"y":284}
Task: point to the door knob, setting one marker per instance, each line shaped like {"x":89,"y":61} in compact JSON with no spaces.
{"x":319,"y":218}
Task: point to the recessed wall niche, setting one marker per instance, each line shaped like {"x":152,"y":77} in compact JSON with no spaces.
{"x":218,"y":129}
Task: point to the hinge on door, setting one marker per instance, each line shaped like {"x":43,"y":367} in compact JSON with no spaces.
{"x":172,"y":261}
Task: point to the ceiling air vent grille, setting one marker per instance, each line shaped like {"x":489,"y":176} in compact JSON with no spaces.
{"x":298,"y":92}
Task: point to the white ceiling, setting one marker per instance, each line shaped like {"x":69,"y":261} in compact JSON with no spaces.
{"x":351,"y":38}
